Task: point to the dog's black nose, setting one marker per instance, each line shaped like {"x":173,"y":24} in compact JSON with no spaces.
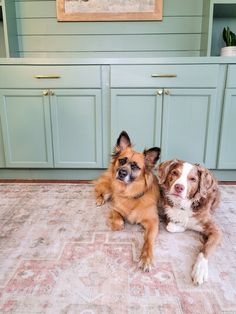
{"x":122,"y":173}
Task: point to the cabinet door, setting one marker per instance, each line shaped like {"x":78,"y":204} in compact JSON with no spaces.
{"x":2,"y":155}
{"x":227,"y":151}
{"x":138,"y":112}
{"x":77,"y":128}
{"x":25,"y":118}
{"x":190,"y":126}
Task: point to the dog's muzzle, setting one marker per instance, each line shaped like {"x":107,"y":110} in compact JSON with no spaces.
{"x":122,"y":174}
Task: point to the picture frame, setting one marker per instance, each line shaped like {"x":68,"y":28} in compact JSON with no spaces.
{"x":109,"y":10}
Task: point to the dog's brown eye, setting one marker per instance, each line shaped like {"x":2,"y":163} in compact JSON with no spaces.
{"x":134,"y":166}
{"x":174,"y":173}
{"x":193,"y":179}
{"x":122,"y":161}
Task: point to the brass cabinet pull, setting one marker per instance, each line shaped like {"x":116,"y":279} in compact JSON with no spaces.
{"x":52,"y":76}
{"x":167,"y":92}
{"x":163,"y":75}
{"x":46,"y":92}
{"x":159,"y":92}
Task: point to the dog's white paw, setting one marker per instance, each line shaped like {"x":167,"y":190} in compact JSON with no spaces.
{"x":172,"y":227}
{"x":200,"y":270}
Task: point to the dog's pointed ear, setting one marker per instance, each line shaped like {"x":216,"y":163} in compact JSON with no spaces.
{"x":122,"y":142}
{"x":151,"y":157}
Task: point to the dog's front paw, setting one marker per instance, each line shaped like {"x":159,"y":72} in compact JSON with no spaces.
{"x":200,"y":270}
{"x":146,"y":261}
{"x":116,"y":221}
{"x":100,"y":201}
{"x":172,"y":227}
{"x":145,"y":264}
{"x":116,"y":225}
{"x":103,"y":198}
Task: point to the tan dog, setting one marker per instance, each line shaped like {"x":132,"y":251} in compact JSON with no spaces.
{"x":190,"y":194}
{"x":134,"y":193}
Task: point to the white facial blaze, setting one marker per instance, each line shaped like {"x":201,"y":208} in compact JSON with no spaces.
{"x":180,"y":210}
{"x":183,"y":179}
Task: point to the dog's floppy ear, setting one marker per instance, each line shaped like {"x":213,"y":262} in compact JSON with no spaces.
{"x":207,"y":182}
{"x":122,"y":143}
{"x":164,"y":168}
{"x":207,"y":188}
{"x":151,"y":157}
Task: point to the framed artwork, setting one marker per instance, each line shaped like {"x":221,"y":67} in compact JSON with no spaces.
{"x":108,"y":10}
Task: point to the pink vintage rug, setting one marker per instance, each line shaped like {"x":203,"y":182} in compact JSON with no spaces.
{"x":57,"y":255}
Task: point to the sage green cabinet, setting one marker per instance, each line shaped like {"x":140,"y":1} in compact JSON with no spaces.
{"x":227,"y":150}
{"x":190,"y":120}
{"x":51,"y":116}
{"x":26,"y":128}
{"x":45,"y":128}
{"x":77,"y":128}
{"x":139,"y":112}
{"x":2,"y":156}
{"x":64,"y":116}
{"x":181,"y":121}
{"x":173,"y":106}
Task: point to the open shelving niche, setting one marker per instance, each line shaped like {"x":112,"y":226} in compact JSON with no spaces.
{"x":8,"y":29}
{"x":2,"y":37}
{"x":217,"y":15}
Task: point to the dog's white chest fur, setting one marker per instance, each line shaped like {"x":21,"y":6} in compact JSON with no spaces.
{"x":178,"y":215}
{"x":181,"y":218}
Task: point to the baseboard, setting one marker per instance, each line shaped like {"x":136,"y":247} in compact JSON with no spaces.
{"x":50,"y":174}
{"x":82,"y":174}
{"x":225,"y":175}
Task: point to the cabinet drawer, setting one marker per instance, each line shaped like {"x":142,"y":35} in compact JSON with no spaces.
{"x":32,"y":76}
{"x":181,"y":75}
{"x":231,"y":78}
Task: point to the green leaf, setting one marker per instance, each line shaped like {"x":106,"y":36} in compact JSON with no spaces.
{"x":229,"y":37}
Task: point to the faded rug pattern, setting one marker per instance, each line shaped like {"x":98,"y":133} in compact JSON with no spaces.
{"x":57,"y":255}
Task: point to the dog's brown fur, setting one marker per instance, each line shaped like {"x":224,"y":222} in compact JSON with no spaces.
{"x":135,"y":200}
{"x":204,"y":197}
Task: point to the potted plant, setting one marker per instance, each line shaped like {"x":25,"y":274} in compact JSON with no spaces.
{"x":230,"y":41}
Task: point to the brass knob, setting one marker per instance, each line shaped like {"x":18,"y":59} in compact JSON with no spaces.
{"x":160,"y":92}
{"x":45,"y":92}
{"x":52,"y":93}
{"x":167,"y":92}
